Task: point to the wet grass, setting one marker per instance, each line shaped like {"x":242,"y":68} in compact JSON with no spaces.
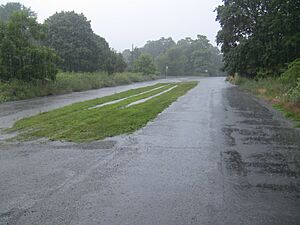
{"x":288,"y":114}
{"x":67,"y":82}
{"x":78,"y":123}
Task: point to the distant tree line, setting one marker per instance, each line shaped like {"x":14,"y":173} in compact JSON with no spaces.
{"x":33,"y":51}
{"x":186,"y":57}
{"x":259,"y":37}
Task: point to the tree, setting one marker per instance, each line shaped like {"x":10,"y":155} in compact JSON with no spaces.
{"x":156,"y":48}
{"x":259,"y":35}
{"x":175,"y":60}
{"x":130,"y":57}
{"x":71,"y":35}
{"x":21,"y":55}
{"x":11,"y":7}
{"x":144,"y":64}
{"x":114,"y":63}
{"x":103,"y":52}
{"x":191,"y":57}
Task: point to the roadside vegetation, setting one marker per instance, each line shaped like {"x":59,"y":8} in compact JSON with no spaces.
{"x":67,"y":82}
{"x":33,"y":53}
{"x":283,"y":91}
{"x":260,"y":42}
{"x":94,"y":120}
{"x":63,"y":54}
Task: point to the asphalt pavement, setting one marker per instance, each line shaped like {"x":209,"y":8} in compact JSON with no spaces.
{"x":216,"y":156}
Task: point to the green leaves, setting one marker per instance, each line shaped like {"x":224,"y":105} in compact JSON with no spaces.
{"x":21,"y":55}
{"x":31,"y":51}
{"x":258,"y":35}
{"x":186,"y":57}
{"x":191,"y":57}
{"x":6,"y":11}
{"x":144,"y":64}
{"x":71,"y":35}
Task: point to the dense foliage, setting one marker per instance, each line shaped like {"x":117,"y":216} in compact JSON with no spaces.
{"x":158,"y":47}
{"x":11,"y":7}
{"x":67,"y":82}
{"x":71,"y":35}
{"x":259,"y":36}
{"x":21,"y":54}
{"x":144,"y":64}
{"x":291,"y":79}
{"x":31,"y":51}
{"x":186,"y":57}
{"x":292,"y":74}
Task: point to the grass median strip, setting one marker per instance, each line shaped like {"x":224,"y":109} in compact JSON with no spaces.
{"x":75,"y":123}
{"x":122,"y":99}
{"x":76,"y":107}
{"x":150,"y":97}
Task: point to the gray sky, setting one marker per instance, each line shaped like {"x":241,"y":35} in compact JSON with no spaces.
{"x":126,"y":22}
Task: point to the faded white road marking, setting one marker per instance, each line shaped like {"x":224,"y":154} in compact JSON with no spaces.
{"x":153,"y":96}
{"x":122,"y":99}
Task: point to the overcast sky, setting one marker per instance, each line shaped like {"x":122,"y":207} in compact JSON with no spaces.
{"x":126,"y":22}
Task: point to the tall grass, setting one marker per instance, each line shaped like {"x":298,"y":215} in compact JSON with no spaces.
{"x":268,"y":87}
{"x":66,"y":83}
{"x":285,"y":88}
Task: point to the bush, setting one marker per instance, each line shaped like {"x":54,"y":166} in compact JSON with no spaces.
{"x":292,"y":74}
{"x":236,"y":79}
{"x":66,"y":83}
{"x":293,"y":94}
{"x":144,"y":64}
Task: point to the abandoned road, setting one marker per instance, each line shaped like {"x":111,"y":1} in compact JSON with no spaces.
{"x":216,"y":156}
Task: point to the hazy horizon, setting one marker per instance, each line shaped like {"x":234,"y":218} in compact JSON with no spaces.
{"x":126,"y":22}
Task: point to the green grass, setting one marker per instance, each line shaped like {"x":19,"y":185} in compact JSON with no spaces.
{"x":79,"y":123}
{"x":288,"y":114}
{"x":66,"y":83}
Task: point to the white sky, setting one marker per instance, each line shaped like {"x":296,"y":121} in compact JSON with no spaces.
{"x":126,"y":22}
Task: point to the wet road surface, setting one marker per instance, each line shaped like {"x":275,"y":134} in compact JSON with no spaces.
{"x":216,"y":156}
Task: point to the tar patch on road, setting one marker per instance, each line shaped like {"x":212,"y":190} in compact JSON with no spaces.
{"x":262,"y":150}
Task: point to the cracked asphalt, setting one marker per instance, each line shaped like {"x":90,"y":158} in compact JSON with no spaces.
{"x":216,"y":156}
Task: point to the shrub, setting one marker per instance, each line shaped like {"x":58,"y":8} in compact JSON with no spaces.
{"x":293,"y":94}
{"x":66,"y":83}
{"x":292,"y":74}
